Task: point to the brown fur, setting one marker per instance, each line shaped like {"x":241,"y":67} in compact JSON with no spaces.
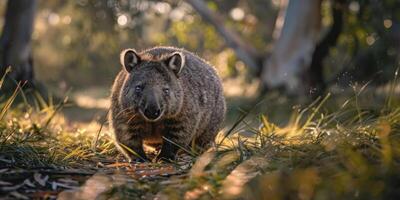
{"x":192,"y":109}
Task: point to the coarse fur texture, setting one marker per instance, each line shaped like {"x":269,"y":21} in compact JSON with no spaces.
{"x":165,"y":94}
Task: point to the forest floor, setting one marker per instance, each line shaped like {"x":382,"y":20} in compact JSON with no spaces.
{"x":345,"y":145}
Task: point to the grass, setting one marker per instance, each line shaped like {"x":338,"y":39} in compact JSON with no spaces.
{"x":28,"y":140}
{"x":335,"y":148}
{"x":36,"y":136}
{"x":331,"y":149}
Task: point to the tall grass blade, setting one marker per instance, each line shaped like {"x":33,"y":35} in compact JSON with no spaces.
{"x":8,"y":70}
{"x":389,"y":98}
{"x":181,"y":147}
{"x":131,"y":151}
{"x":9,"y":101}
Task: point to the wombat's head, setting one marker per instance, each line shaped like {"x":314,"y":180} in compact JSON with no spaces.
{"x":152,"y":87}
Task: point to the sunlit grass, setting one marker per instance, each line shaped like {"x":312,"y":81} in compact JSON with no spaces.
{"x":33,"y":136}
{"x":349,"y":152}
{"x":330,"y":149}
{"x":30,"y":140}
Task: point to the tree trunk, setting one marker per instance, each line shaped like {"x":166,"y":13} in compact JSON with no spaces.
{"x":15,"y":40}
{"x":314,"y":77}
{"x":294,"y":47}
{"x":280,"y":19}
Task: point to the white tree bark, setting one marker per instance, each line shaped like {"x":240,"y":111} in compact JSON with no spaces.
{"x":280,"y":19}
{"x":294,"y":45}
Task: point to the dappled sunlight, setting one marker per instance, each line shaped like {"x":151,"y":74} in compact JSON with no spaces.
{"x":311,"y":88}
{"x":314,"y":150}
{"x":90,"y":102}
{"x":239,"y":88}
{"x":314,"y":143}
{"x":92,"y":98}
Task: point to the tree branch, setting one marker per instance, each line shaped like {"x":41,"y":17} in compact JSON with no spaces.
{"x":243,"y":50}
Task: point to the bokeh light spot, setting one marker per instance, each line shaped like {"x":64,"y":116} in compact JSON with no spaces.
{"x":370,"y":40}
{"x":354,"y":6}
{"x":387,"y":23}
{"x":66,"y":19}
{"x":53,"y":19}
{"x":237,"y":14}
{"x":122,"y":20}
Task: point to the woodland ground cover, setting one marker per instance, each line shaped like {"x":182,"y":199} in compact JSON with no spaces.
{"x":337,"y":147}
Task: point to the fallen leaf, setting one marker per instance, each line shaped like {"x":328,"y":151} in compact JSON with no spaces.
{"x":29,"y":183}
{"x":68,"y":181}
{"x":18,"y":195}
{"x":5,"y":183}
{"x":38,"y":178}
{"x":11,"y":188}
{"x":56,"y":184}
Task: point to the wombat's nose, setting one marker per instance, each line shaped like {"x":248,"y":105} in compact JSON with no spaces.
{"x":152,"y":113}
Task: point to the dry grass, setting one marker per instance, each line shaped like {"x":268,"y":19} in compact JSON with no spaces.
{"x":331,"y":149}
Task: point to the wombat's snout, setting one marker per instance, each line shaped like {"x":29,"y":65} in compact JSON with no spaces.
{"x":152,"y":112}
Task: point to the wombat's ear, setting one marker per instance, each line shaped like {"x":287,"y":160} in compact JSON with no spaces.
{"x":129,"y":59}
{"x":175,"y":62}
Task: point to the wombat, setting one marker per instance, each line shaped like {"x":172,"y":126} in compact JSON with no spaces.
{"x":165,"y":95}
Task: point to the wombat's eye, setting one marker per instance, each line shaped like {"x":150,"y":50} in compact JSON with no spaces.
{"x":166,"y":91}
{"x":138,"y":89}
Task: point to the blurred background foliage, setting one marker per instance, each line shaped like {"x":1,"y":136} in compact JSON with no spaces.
{"x":369,"y":42}
{"x":77,"y":43}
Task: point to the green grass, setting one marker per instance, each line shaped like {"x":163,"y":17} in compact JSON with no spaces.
{"x":334,"y":148}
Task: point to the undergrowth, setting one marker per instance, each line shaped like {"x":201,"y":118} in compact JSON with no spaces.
{"x":331,"y":149}
{"x":328,"y":150}
{"x":35,"y":135}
